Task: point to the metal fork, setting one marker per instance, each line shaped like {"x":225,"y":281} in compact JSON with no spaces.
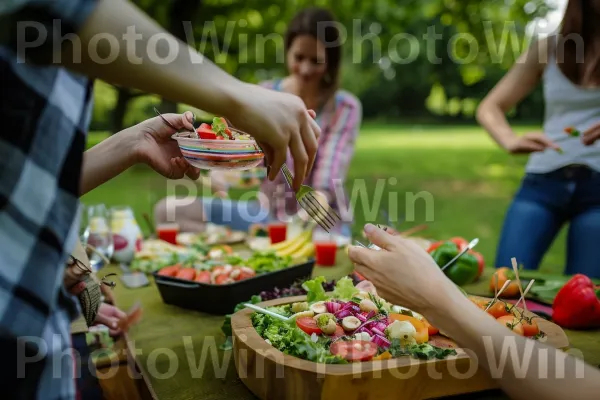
{"x":305,"y":196}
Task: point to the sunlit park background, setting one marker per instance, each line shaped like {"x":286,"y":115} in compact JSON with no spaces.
{"x":419,"y":97}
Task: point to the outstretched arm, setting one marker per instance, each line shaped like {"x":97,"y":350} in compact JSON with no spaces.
{"x":537,"y":371}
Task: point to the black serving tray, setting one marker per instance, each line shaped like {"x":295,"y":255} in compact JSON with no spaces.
{"x":222,"y":299}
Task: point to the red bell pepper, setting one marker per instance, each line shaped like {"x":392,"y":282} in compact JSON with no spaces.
{"x":577,"y":304}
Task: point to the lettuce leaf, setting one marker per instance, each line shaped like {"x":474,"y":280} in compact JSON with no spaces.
{"x":314,"y":289}
{"x":345,"y":289}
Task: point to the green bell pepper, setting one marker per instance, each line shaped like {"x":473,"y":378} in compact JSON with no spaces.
{"x":464,"y":270}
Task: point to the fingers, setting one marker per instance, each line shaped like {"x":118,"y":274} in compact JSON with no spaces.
{"x":591,"y":135}
{"x":310,"y":143}
{"x":180,"y":121}
{"x":277,"y":159}
{"x":362,"y":258}
{"x":301,"y":159}
{"x":312,"y":114}
{"x":379,"y":237}
{"x":192,"y":172}
{"x":543,"y":140}
{"x":107,"y":320}
{"x":77,"y":289}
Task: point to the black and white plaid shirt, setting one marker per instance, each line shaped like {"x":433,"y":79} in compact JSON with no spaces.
{"x":44,"y":115}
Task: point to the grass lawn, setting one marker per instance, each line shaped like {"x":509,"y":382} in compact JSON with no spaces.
{"x":462,"y":180}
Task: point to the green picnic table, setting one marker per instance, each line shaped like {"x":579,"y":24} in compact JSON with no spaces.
{"x":177,"y":350}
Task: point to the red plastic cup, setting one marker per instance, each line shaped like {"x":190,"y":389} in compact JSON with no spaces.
{"x":277,"y":232}
{"x":325,"y":253}
{"x":168,"y":232}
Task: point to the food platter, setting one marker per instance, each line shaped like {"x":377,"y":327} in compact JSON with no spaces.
{"x":271,"y":374}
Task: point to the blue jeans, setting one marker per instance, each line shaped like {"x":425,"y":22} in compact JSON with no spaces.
{"x":240,"y":215}
{"x":543,"y":203}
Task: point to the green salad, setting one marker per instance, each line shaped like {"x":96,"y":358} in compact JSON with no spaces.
{"x":348,"y":325}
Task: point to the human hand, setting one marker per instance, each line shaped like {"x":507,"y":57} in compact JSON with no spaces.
{"x":279,"y":121}
{"x":529,"y":143}
{"x":590,"y":136}
{"x":156,"y":148}
{"x":402,"y":272}
{"x":110,"y":316}
{"x":218,"y":184}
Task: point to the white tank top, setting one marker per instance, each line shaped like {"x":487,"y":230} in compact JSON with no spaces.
{"x":566,"y":105}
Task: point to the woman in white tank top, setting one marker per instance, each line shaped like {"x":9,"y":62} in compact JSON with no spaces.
{"x":562,"y":179}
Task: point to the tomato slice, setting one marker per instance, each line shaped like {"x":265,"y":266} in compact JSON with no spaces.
{"x":205,"y":132}
{"x":221,"y":279}
{"x":354,"y":350}
{"x":308,"y":325}
{"x":339,"y":332}
{"x":203,"y":276}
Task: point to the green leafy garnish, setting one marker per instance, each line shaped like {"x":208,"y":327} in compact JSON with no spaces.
{"x":262,"y":261}
{"x":344,"y":289}
{"x":423,"y":351}
{"x":218,"y":127}
{"x":289,"y":339}
{"x":226,"y":327}
{"x":314,"y":289}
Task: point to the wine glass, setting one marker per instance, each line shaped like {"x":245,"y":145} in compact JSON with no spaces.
{"x":99,"y":235}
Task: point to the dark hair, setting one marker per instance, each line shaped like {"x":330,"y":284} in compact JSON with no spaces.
{"x":580,"y":28}
{"x":319,"y":23}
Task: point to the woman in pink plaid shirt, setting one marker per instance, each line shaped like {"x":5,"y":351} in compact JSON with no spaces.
{"x":313,"y":55}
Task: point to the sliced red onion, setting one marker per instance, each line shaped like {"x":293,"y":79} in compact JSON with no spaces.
{"x":343,"y":314}
{"x":355,"y":308}
{"x":381,"y":341}
{"x":347,"y":306}
{"x":370,"y":314}
{"x":332,"y":307}
{"x":361,"y":317}
{"x":380,"y":326}
{"x":377,"y":331}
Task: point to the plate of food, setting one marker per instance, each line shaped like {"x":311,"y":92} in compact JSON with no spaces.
{"x":213,"y":235}
{"x":351,"y":343}
{"x":219,"y":146}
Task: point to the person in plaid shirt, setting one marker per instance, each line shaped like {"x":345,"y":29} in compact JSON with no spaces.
{"x":45,"y":111}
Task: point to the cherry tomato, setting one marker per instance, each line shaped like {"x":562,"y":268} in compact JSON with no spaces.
{"x":203,"y":276}
{"x":245,"y":275}
{"x":221,"y":279}
{"x":499,"y":309}
{"x":354,"y":350}
{"x":422,"y":335}
{"x":512,"y":323}
{"x":186,"y":273}
{"x":460,"y":242}
{"x":170,"y":271}
{"x":530,"y":327}
{"x":502,"y":275}
{"x":308,"y":325}
{"x":339,"y":332}
{"x":431,"y":330}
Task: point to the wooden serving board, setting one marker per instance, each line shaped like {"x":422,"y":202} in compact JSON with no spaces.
{"x":271,"y":374}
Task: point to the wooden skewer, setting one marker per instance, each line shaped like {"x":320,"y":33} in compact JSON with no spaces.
{"x":414,"y":229}
{"x":516,"y":269}
{"x":498,"y":294}
{"x":529,"y":285}
{"x":102,"y":256}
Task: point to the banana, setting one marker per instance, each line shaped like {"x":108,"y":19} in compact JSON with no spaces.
{"x":302,"y":239}
{"x":307,"y":250}
{"x":287,"y":243}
